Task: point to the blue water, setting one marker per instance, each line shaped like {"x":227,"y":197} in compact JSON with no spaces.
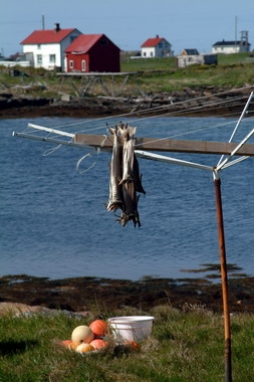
{"x":54,"y":222}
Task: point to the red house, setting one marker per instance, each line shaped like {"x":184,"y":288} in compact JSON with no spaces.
{"x":92,"y":53}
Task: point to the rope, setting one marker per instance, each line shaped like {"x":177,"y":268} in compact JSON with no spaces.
{"x":51,"y":151}
{"x":161,"y":108}
{"x":81,"y":160}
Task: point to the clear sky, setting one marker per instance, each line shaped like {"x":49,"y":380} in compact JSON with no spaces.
{"x":128,"y":23}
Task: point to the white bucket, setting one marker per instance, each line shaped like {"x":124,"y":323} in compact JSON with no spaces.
{"x":131,"y":328}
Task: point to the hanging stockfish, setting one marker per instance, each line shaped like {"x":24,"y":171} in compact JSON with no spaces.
{"x":130,"y":166}
{"x":130,"y":211}
{"x":137,"y":177}
{"x":130,"y":198}
{"x":115,"y":189}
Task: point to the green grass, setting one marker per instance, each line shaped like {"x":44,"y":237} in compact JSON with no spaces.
{"x":185,"y":346}
{"x":162,"y":74}
{"x":150,"y":76}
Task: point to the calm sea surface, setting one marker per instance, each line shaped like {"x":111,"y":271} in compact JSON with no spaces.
{"x":53,"y":217}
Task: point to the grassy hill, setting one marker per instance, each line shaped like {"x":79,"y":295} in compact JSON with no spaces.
{"x":150,"y":76}
{"x":162,"y":74}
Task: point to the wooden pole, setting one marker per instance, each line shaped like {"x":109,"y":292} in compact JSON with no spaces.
{"x":169,"y":145}
{"x":224,"y":280}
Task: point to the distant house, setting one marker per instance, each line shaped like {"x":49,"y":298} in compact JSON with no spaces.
{"x":228,"y":47}
{"x":45,"y":48}
{"x":92,"y":53}
{"x":189,"y":52}
{"x":192,"y":56}
{"x":156,"y":47}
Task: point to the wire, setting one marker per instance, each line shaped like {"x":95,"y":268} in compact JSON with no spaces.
{"x":162,"y":107}
{"x":200,"y":108}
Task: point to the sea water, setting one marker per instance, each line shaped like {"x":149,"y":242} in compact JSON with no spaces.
{"x":53,"y":217}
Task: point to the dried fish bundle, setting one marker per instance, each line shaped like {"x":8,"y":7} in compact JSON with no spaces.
{"x":125,"y":180}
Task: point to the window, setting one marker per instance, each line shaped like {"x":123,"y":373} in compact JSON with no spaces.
{"x":39,"y":59}
{"x":160,"y":45}
{"x":83,"y":65}
{"x":71,"y":64}
{"x":52,"y":58}
{"x":103,"y":42}
{"x":39,"y":46}
{"x":151,"y":54}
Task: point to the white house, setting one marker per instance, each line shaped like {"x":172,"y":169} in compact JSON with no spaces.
{"x":156,"y":47}
{"x":45,"y":48}
{"x":229,"y":47}
{"x":197,"y":59}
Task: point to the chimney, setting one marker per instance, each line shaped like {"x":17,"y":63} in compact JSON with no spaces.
{"x":57,"y":27}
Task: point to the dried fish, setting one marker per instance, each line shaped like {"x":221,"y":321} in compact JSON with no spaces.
{"x":130,"y":162}
{"x":115,"y":189}
{"x":127,"y":132}
{"x":130,"y":211}
{"x":137,"y":177}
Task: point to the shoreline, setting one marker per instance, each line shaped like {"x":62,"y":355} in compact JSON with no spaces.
{"x":85,"y":293}
{"x":197,"y":103}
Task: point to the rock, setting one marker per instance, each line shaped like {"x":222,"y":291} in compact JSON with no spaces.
{"x":22,"y":310}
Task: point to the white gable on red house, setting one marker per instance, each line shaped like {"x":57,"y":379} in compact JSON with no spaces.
{"x":156,"y":47}
{"x":45,"y":48}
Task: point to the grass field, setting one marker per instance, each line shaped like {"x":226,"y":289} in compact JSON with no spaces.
{"x":150,"y":76}
{"x":184,"y":346}
{"x":234,"y":70}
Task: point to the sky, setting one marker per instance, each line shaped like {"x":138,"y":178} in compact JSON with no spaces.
{"x":186,"y":24}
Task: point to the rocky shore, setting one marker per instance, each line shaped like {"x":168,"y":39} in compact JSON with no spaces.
{"x":208,"y":101}
{"x":87,"y":293}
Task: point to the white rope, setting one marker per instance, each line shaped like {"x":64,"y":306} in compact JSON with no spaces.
{"x":81,"y":160}
{"x":52,"y":150}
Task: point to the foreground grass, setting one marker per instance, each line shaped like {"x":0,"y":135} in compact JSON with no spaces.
{"x":185,"y":345}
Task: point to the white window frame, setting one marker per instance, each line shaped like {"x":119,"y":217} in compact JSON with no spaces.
{"x":52,"y":58}
{"x":71,"y":64}
{"x":83,"y":65}
{"x":39,"y":59}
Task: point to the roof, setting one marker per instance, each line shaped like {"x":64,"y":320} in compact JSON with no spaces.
{"x":230,"y":43}
{"x":45,"y":36}
{"x":191,"y":52}
{"x":84,"y":42}
{"x":152,"y":42}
